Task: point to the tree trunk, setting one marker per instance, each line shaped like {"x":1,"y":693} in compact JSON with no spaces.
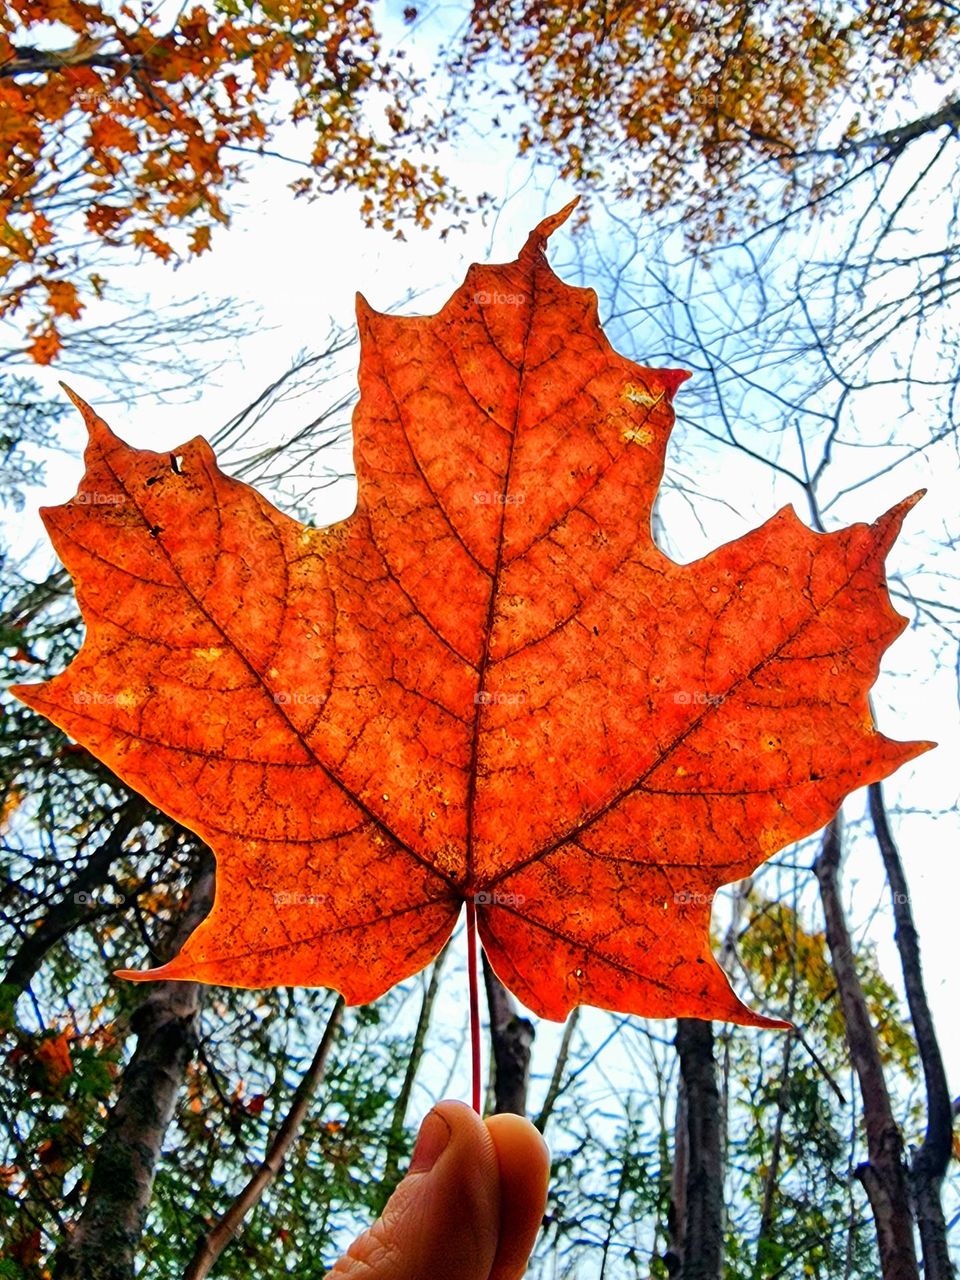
{"x":883,"y":1174}
{"x":511,"y":1038}
{"x":696,"y":1219}
{"x":211,"y":1246}
{"x":391,"y":1174}
{"x":930,"y":1160}
{"x":104,"y":1242}
{"x":677,"y":1210}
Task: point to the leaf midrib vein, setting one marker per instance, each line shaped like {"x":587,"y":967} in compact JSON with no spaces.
{"x":495,"y":576}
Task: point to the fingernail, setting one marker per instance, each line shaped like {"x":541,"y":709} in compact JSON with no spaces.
{"x":433,"y":1139}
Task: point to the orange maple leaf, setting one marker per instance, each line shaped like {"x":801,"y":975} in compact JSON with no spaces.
{"x":41,"y":229}
{"x":200,"y":239}
{"x":147,"y":239}
{"x":488,"y":684}
{"x":105,"y":219}
{"x":53,"y":1054}
{"x":106,"y":132}
{"x":44,"y":347}
{"x":64,"y":299}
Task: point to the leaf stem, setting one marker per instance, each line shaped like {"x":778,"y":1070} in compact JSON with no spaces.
{"x":474,"y":999}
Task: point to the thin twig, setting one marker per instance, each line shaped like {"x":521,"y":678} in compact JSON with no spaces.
{"x":559,"y":1067}
{"x":210,"y":1247}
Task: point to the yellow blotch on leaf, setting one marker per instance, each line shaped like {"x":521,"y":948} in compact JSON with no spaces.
{"x":641,"y":395}
{"x":637,"y":435}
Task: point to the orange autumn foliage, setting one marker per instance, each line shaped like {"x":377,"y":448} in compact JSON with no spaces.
{"x":53,"y":1053}
{"x":131,"y":123}
{"x":488,"y":683}
{"x":718,"y":111}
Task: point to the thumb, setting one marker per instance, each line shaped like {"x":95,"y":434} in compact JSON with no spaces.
{"x":444,"y":1218}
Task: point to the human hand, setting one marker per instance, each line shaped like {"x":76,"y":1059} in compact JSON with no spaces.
{"x":468,"y":1209}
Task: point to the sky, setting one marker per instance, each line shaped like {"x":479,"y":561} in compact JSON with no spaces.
{"x":295,"y":266}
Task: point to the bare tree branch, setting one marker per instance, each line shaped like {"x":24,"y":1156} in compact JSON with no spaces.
{"x":930,"y":1160}
{"x":211,"y":1246}
{"x":883,"y":1174}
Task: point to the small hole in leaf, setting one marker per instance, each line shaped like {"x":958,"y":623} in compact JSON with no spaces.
{"x":176,"y":463}
{"x":155,"y":531}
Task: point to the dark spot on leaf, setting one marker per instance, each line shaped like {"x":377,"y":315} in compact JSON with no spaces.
{"x":155,"y":531}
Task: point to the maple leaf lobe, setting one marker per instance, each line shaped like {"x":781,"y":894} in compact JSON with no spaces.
{"x":488,"y":682}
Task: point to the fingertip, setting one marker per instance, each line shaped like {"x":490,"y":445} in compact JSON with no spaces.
{"x":444,"y":1218}
{"x":517,"y":1141}
{"x":524,"y":1164}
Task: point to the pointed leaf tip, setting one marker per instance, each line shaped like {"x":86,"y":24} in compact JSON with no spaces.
{"x":97,"y":429}
{"x":364,"y":309}
{"x":78,"y":401}
{"x":913,"y":499}
{"x":673,"y":379}
{"x":887,"y":526}
{"x":131,"y":975}
{"x":544,"y":229}
{"x":141,"y":975}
